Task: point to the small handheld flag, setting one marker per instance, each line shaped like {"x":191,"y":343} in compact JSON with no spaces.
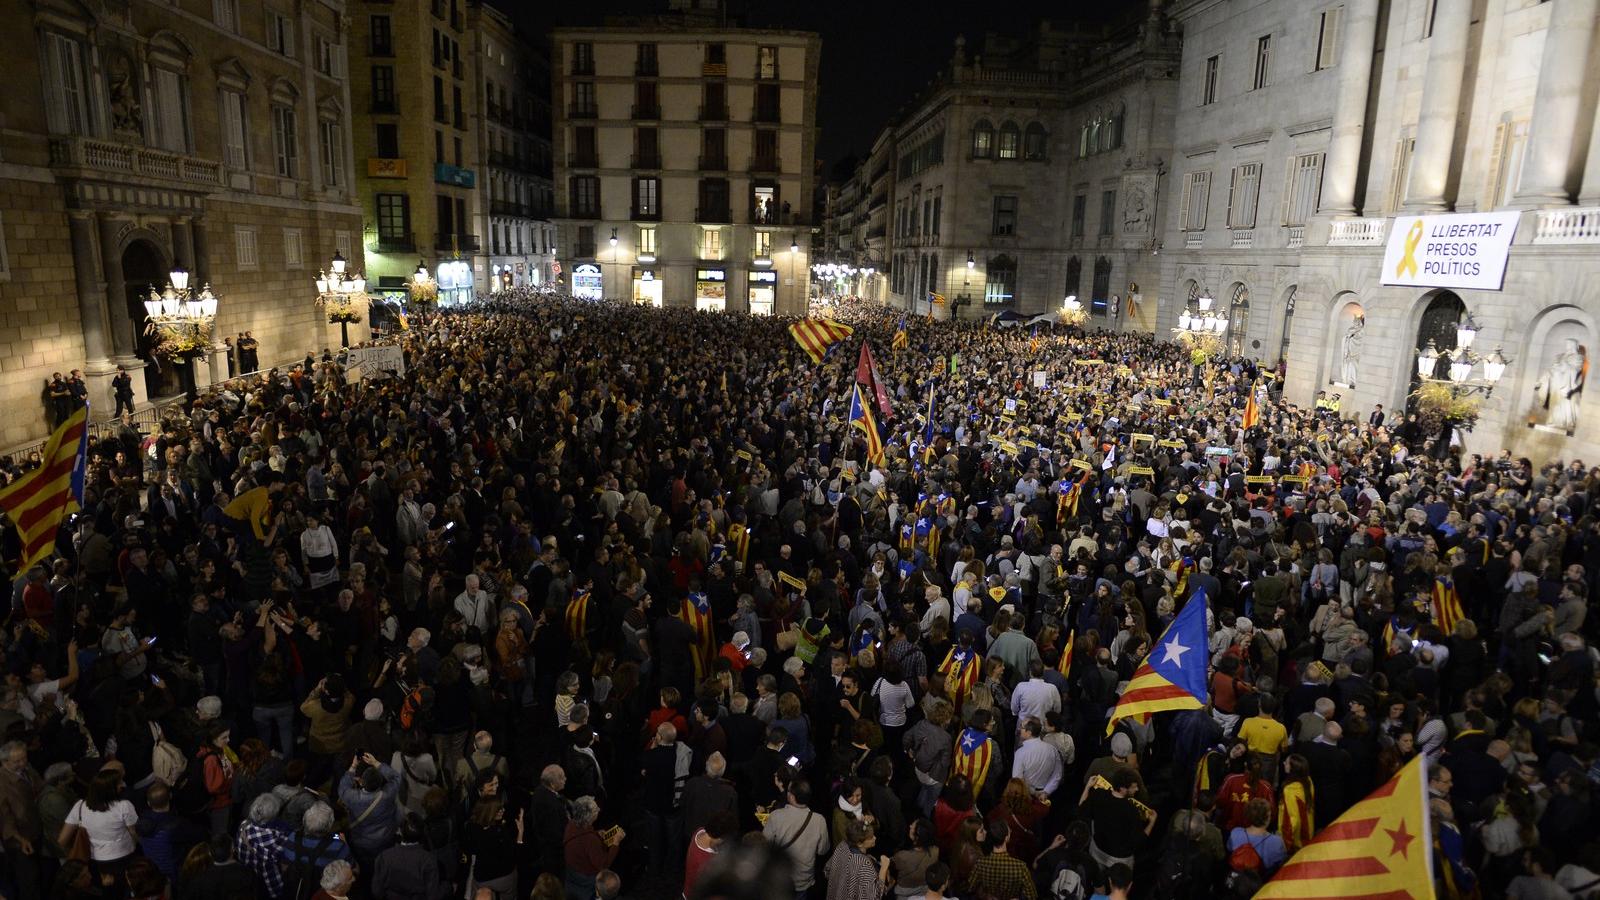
{"x":901,"y":339}
{"x":1252,"y":413}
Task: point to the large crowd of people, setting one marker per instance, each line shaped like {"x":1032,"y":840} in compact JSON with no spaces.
{"x":597,"y":600}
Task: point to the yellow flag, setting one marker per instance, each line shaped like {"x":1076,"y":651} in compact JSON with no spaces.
{"x":1377,"y":849}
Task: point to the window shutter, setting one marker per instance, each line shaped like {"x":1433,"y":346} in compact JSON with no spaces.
{"x":1328,"y":47}
{"x":1183,"y":204}
{"x":1398,"y":170}
{"x":288,"y":38}
{"x":1233,"y":194}
{"x":1289,"y":192}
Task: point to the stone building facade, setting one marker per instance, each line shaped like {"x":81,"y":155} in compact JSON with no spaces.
{"x":1355,"y":113}
{"x":140,"y":135}
{"x":684,"y":158}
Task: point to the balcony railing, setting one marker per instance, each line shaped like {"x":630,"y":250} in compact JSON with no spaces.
{"x":764,"y":164}
{"x":646,"y":111}
{"x":645,"y":215}
{"x":646,"y":67}
{"x":1573,"y":225}
{"x":1193,"y":240}
{"x":583,"y":251}
{"x":394,"y":243}
{"x":717,"y":112}
{"x":579,"y":111}
{"x":1244,"y":238}
{"x":582,"y":161}
{"x":1361,"y":232}
{"x":645,"y":161}
{"x":716,"y":70}
{"x":714,"y":163}
{"x":507,"y":208}
{"x":715,"y":215}
{"x":765,"y":113}
{"x":585,"y":212}
{"x":386,"y":105}
{"x":466,"y":243}
{"x":1296,"y":236}
{"x":126,"y":159}
{"x":583,"y":66}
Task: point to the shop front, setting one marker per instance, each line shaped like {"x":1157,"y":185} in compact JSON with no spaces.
{"x":646,"y":287}
{"x":763,"y":291}
{"x":455,"y":283}
{"x":711,"y":289}
{"x":586,"y":282}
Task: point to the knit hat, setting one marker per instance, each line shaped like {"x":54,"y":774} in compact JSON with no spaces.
{"x":1121,"y":746}
{"x":373,"y":711}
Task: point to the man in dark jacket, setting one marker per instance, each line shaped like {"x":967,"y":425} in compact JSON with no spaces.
{"x":407,"y":871}
{"x":548,"y":810}
{"x":705,"y":795}
{"x":226,"y":876}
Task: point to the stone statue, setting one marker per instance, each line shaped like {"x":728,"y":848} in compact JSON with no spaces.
{"x":1561,"y":386}
{"x":1352,"y":350}
{"x":126,"y":113}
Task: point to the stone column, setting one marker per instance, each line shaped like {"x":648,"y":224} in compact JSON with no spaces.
{"x":1548,"y":164}
{"x":124,"y":340}
{"x":1360,"y":30}
{"x":1436,"y":129}
{"x":98,"y":369}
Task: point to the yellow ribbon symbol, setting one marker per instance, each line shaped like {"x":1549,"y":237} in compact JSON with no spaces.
{"x":1409,"y":260}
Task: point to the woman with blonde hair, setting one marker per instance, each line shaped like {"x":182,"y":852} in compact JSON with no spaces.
{"x":1021,"y":810}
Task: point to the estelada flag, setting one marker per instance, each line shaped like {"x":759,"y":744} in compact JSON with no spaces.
{"x":1378,"y":850}
{"x":817,"y":336}
{"x":901,"y":339}
{"x":1447,"y":609}
{"x":1173,"y":675}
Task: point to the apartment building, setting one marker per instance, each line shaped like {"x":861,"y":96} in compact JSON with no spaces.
{"x":684,"y":163}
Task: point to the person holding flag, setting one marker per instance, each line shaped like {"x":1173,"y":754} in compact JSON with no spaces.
{"x":901,"y":339}
{"x":861,"y":417}
{"x":1174,"y":675}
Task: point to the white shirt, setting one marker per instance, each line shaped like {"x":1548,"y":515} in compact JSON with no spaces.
{"x":108,"y":831}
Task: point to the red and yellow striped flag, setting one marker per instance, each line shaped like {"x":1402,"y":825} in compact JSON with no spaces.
{"x":1378,"y":850}
{"x":697,"y":612}
{"x":39,"y":501}
{"x":1252,"y":414}
{"x":577,"y":615}
{"x":1065,"y":665}
{"x":1447,"y":609}
{"x":817,"y":336}
{"x":973,"y":754}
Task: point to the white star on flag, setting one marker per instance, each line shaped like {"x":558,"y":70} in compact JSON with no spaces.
{"x":1175,"y":652}
{"x":968,"y":741}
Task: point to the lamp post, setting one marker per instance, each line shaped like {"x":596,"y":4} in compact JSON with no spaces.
{"x":1201,"y":331}
{"x":422,"y":288}
{"x":794,"y":253}
{"x":342,"y":296}
{"x":182,"y":321}
{"x":1457,"y":397}
{"x":613,"y":243}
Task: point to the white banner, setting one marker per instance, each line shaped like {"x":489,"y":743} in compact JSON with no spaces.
{"x":1468,"y":250}
{"x":373,"y":363}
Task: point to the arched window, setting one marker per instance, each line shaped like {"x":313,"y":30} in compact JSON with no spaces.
{"x":1238,"y":320}
{"x":1074,"y":277}
{"x":1010,"y":141}
{"x":982,"y":140}
{"x":1033,"y":141}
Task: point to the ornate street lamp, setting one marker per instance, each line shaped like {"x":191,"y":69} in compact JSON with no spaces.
{"x":1457,"y":397}
{"x":422,"y":288}
{"x":181,"y":322}
{"x":1072,"y":311}
{"x":342,"y":296}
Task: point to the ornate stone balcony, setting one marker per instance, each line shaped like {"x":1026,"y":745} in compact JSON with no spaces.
{"x":94,"y":156}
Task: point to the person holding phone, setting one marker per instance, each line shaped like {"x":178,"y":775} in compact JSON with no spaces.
{"x":120,"y":643}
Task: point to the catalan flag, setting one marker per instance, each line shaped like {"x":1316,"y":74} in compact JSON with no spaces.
{"x":961,"y":669}
{"x":1173,"y":675}
{"x":817,"y":336}
{"x":697,"y":612}
{"x":1067,"y":500}
{"x":1377,"y":850}
{"x":973,"y":754}
{"x":578,"y":615}
{"x":861,"y":417}
{"x":1446,"y":604}
{"x":901,"y":339}
{"x":39,"y":501}
{"x":1252,"y":413}
{"x":739,"y":541}
{"x":1065,"y":665}
{"x":934,"y":299}
{"x":1033,"y":341}
{"x":1182,"y":568}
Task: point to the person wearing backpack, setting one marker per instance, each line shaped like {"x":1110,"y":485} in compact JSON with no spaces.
{"x":368,"y":790}
{"x":310,"y":849}
{"x":1253,"y":848}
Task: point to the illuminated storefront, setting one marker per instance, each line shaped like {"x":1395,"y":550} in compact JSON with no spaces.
{"x":455,"y":282}
{"x":711,"y":289}
{"x":646,"y":287}
{"x":763,"y":291}
{"x":586,"y":282}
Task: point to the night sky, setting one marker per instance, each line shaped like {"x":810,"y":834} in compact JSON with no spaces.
{"x":876,"y":54}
